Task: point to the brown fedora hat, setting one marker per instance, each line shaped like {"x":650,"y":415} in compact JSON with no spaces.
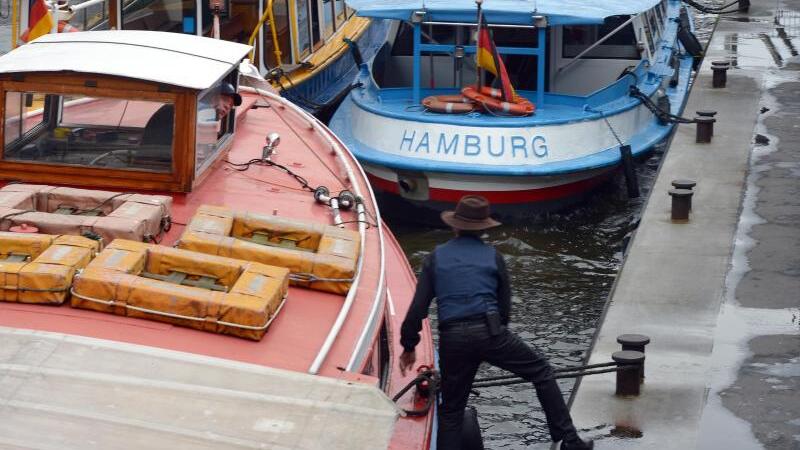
{"x":471,"y":213}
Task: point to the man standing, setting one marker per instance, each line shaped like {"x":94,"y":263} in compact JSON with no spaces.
{"x":468,"y":278}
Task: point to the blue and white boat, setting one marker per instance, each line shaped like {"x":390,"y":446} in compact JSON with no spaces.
{"x":578,"y":61}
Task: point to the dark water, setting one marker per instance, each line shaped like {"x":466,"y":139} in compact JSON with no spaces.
{"x":562,"y":268}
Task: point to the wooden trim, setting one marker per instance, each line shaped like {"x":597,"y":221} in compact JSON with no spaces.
{"x":113,"y":15}
{"x":102,"y":81}
{"x":183,"y":145}
{"x":184,"y":140}
{"x":45,"y":88}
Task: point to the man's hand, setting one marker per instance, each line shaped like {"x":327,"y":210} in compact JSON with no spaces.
{"x":407,"y":360}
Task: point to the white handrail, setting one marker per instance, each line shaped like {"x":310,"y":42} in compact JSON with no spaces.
{"x":596,"y":44}
{"x":85,"y":5}
{"x":362,"y":219}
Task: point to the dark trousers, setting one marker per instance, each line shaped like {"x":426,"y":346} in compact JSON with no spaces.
{"x":462,"y":348}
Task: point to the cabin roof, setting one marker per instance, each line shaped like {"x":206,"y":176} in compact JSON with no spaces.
{"x":507,"y":12}
{"x":170,"y":58}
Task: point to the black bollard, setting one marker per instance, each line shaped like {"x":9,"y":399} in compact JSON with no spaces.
{"x":631,"y":182}
{"x":720,"y":69}
{"x":681,"y":200}
{"x":628,"y":382}
{"x":637,"y":343}
{"x":744,"y":5}
{"x":708,"y":113}
{"x":684,"y":184}
{"x":705,"y":129}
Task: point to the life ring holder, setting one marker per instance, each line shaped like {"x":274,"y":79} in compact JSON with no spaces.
{"x":449,"y":104}
{"x":492,"y":101}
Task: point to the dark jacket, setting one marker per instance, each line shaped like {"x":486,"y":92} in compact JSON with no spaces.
{"x":467,"y":277}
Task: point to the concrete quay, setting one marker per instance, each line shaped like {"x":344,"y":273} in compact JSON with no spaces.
{"x":718,"y":295}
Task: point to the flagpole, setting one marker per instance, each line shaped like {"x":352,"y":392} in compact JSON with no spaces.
{"x":54,"y":30}
{"x":479,"y":80}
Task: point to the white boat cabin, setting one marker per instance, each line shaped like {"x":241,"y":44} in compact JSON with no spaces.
{"x":73,"y":116}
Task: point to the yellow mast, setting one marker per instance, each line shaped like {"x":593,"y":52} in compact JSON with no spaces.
{"x":14,"y":23}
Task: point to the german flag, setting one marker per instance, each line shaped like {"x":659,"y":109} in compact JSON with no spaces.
{"x":40,"y":21}
{"x":488,"y":59}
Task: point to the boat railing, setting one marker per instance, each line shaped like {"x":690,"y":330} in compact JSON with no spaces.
{"x":268,"y":15}
{"x":363,"y":341}
{"x":539,"y":51}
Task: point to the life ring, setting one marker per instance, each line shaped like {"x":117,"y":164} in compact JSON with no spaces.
{"x":449,"y":104}
{"x":492,"y":99}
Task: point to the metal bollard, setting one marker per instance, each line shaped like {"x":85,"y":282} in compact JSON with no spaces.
{"x":637,"y":343}
{"x":720,"y":69}
{"x":684,"y":184}
{"x":628,"y":382}
{"x":681,"y":201}
{"x":705,"y":129}
{"x":744,"y":5}
{"x":708,"y":113}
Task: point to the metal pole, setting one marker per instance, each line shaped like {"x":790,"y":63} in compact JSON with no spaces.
{"x":417,"y":62}
{"x":541,"y":62}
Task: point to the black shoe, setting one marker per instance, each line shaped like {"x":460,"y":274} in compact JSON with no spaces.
{"x":577,"y":444}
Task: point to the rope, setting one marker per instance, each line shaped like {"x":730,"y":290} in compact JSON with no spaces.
{"x":433,"y":381}
{"x":565,"y":369}
{"x":575,"y":373}
{"x":241,"y":167}
{"x":311,"y":278}
{"x":179,"y":316}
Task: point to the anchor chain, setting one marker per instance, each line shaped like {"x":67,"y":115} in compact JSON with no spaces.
{"x":663,"y":116}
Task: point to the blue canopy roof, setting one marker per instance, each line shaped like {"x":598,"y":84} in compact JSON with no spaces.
{"x":510,"y":12}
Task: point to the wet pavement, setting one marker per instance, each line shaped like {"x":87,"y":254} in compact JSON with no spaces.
{"x":719,"y":295}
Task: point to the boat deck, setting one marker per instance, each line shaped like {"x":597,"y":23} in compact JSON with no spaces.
{"x":557,"y":108}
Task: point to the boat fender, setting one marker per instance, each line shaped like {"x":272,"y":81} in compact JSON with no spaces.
{"x":448,"y":104}
{"x":471,"y":438}
{"x":491,"y":99}
{"x":357,"y":58}
{"x":688,"y":39}
{"x":631,"y":180}
{"x":662,"y":101}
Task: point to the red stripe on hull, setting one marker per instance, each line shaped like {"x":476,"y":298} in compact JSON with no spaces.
{"x":552,"y":193}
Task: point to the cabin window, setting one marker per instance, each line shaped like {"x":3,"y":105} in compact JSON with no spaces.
{"x":328,"y":25}
{"x":651,"y":17}
{"x":303,"y":28}
{"x":622,"y":45}
{"x":340,"y":12}
{"x":659,"y":16}
{"x":431,"y":34}
{"x":80,"y":130}
{"x":160,"y":15}
{"x":280,"y":10}
{"x":649,"y":35}
{"x":214,"y":125}
{"x":94,"y":17}
{"x":23,"y":113}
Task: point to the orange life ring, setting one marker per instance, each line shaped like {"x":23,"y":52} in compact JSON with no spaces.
{"x":449,"y":104}
{"x":492,"y":100}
